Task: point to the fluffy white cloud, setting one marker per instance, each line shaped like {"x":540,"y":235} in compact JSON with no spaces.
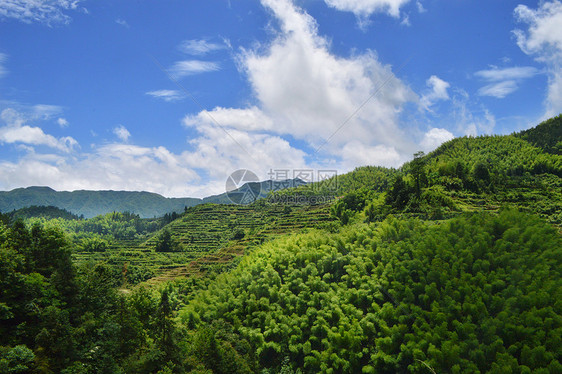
{"x":113,"y":166}
{"x":304,"y":91}
{"x":190,"y":67}
{"x":434,"y":138}
{"x":49,"y":12}
{"x":543,"y":39}
{"x":220,"y":154}
{"x":250,"y":119}
{"x":125,"y":166}
{"x":356,"y":153}
{"x":310,"y":93}
{"x":35,"y":136}
{"x":166,"y":95}
{"x":16,"y":132}
{"x":62,"y":122}
{"x":544,"y":36}
{"x":199,"y":47}
{"x":122,"y":133}
{"x":437,"y":91}
{"x":504,"y":81}
{"x":554,"y":95}
{"x":364,"y":8}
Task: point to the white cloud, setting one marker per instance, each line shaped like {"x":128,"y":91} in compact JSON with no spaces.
{"x":62,"y":122}
{"x":122,"y":133}
{"x":35,"y":136}
{"x":516,"y":72}
{"x":50,"y":12}
{"x":305,"y":92}
{"x":40,"y":111}
{"x":420,"y":7}
{"x":406,"y":21}
{"x":364,"y":8}
{"x":3,"y":58}
{"x":544,"y":36}
{"x":199,"y":47}
{"x":437,"y":91}
{"x":554,"y":94}
{"x":310,"y":93}
{"x":125,"y":166}
{"x":356,"y":153}
{"x":16,"y":132}
{"x":543,"y":39}
{"x":504,"y":81}
{"x":113,"y":166}
{"x":190,"y":67}
{"x":251,"y":119}
{"x":122,"y":22}
{"x":434,"y":138}
{"x":221,"y":154}
{"x":166,"y":95}
{"x":498,"y":90}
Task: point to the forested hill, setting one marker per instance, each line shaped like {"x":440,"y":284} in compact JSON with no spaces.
{"x":547,"y":135}
{"x":145,"y":204}
{"x":93,"y":203}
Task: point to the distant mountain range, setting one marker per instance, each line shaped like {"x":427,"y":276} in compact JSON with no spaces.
{"x":145,"y":204}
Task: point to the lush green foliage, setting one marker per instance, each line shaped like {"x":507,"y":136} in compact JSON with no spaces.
{"x":47,"y":212}
{"x":55,"y":318}
{"x":547,"y":135}
{"x":362,"y":180}
{"x":476,"y":294}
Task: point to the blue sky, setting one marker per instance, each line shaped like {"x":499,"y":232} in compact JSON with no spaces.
{"x":172,"y":96}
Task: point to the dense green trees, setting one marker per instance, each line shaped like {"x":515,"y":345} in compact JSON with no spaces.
{"x":55,"y":318}
{"x":547,"y":135}
{"x":471,"y":295}
{"x":165,"y":242}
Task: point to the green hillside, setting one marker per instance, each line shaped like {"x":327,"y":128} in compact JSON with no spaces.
{"x":479,"y":293}
{"x":547,"y":135}
{"x":209,"y":238}
{"x":47,"y":212}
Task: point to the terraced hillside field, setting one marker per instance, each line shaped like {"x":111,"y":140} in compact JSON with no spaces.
{"x":211,"y":238}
